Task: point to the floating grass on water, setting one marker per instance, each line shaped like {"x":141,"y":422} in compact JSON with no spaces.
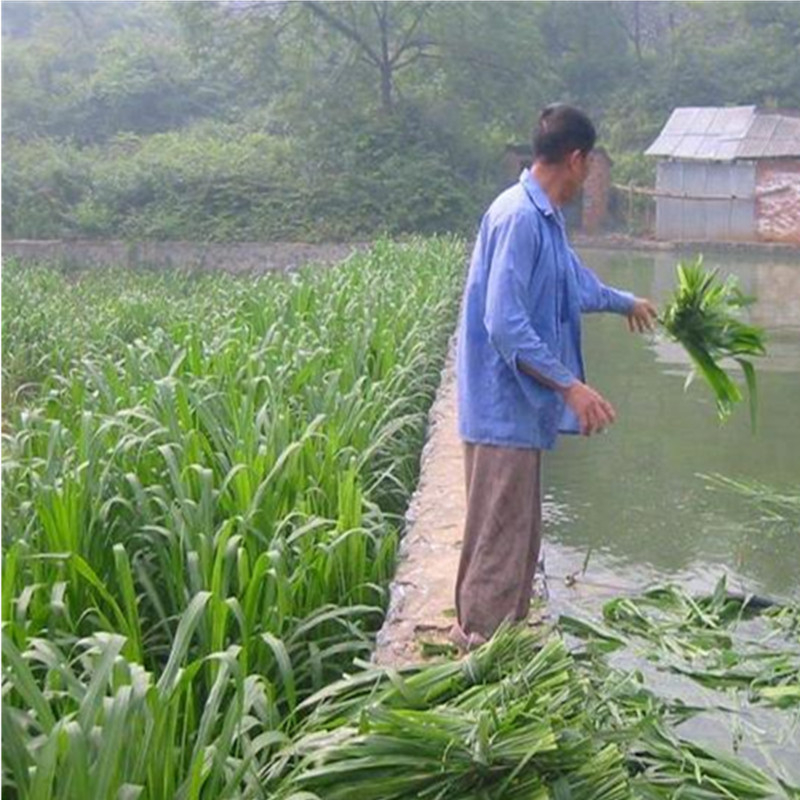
{"x":776,"y":505}
{"x":702,"y":638}
{"x":672,"y":768}
{"x":702,"y":316}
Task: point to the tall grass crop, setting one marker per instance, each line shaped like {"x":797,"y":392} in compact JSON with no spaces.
{"x":202,"y":490}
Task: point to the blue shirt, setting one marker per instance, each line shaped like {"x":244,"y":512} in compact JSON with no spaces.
{"x":523,"y":300}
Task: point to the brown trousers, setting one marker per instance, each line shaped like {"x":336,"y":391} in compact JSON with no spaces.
{"x":502,"y":536}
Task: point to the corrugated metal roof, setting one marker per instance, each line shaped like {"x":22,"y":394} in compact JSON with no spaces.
{"x":764,"y":125}
{"x":726,"y":134}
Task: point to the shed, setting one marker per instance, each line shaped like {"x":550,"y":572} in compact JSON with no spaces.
{"x":728,"y":174}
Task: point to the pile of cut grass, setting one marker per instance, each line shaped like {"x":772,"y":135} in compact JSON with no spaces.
{"x":523,"y":717}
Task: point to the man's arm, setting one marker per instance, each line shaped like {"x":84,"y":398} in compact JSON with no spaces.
{"x":514,"y":252}
{"x":595,"y":296}
{"x":593,"y":411}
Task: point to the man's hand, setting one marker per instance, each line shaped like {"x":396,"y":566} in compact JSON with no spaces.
{"x":642,"y":315}
{"x":594,"y":412}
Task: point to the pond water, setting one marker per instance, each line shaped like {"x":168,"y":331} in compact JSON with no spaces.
{"x":633,"y":495}
{"x":631,"y":506}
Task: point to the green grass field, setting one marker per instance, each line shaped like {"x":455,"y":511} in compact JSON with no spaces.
{"x":204,"y":478}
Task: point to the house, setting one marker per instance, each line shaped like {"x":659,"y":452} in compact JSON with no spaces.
{"x":728,"y":174}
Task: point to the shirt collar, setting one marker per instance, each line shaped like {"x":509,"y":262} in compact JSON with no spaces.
{"x":538,"y":195}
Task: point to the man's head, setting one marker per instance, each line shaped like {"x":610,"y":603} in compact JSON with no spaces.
{"x":562,"y":142}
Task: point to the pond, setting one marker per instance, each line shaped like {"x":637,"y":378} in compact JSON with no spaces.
{"x":631,"y":506}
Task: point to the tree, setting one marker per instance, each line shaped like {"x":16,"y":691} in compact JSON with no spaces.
{"x":91,"y":70}
{"x":389,"y":37}
{"x":348,"y":101}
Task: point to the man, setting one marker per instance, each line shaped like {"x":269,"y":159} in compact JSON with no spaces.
{"x":520,"y":370}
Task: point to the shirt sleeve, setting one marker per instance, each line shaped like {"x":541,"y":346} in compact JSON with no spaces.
{"x":511,"y":262}
{"x":595,"y":295}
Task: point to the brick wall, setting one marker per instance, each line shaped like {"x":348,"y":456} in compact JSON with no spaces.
{"x":595,"y":193}
{"x":778,"y":215}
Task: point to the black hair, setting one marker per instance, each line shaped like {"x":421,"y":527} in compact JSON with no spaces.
{"x":561,"y":129}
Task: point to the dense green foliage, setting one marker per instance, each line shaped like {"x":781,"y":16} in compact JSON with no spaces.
{"x":233,"y":121}
{"x":201,"y":499}
{"x":220,"y":181}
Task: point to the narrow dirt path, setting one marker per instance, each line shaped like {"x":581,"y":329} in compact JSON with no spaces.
{"x":422,"y":593}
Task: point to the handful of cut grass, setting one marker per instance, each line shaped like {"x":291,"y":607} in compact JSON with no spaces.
{"x":702,"y":316}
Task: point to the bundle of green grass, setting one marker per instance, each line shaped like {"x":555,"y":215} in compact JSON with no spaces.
{"x":703,"y":316}
{"x":524,"y":717}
